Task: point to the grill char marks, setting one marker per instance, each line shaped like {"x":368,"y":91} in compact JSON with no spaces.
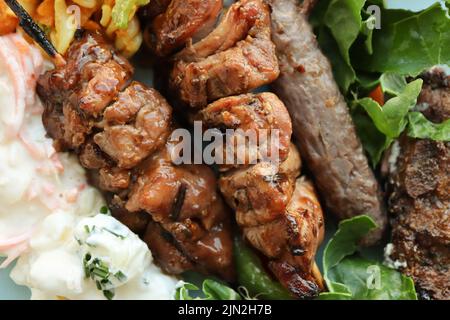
{"x":119,"y":129}
{"x":419,"y":200}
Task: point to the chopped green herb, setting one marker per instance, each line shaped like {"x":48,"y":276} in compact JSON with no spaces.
{"x":118,"y":235}
{"x":120,"y":276}
{"x":109,"y":294}
{"x":99,"y":272}
{"x":104,"y":210}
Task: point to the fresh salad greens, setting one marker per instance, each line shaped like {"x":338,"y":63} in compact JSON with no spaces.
{"x":253,"y":280}
{"x":409,"y":43}
{"x":420,"y":127}
{"x":374,"y":48}
{"x":349,"y":276}
{"x":123,"y":10}
{"x":211,"y":290}
{"x":390,"y":119}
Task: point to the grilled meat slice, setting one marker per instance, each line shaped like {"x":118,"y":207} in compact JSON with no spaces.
{"x":181,"y":21}
{"x":419,"y":199}
{"x":261,"y":125}
{"x":322,"y":124}
{"x":434,"y":99}
{"x":228,"y":67}
{"x":120,"y":129}
{"x":164,"y":249}
{"x":136,"y":221}
{"x":234,"y":27}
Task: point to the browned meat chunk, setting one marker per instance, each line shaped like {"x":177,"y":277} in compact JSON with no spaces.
{"x":260,"y":193}
{"x":434,"y":99}
{"x":290,"y":242}
{"x":322,"y":125}
{"x":91,"y":157}
{"x":419,"y":201}
{"x":136,"y":221}
{"x":76,"y":94}
{"x":227,"y":67}
{"x":263,"y":122}
{"x":303,"y":229}
{"x":135,"y":125}
{"x":182,"y":21}
{"x":113,"y":179}
{"x":164,"y":249}
{"x":182,"y":200}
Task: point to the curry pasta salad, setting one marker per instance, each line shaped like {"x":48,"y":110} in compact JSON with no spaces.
{"x":61,"y":18}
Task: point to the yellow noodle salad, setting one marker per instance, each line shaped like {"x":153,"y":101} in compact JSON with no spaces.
{"x":61,"y":18}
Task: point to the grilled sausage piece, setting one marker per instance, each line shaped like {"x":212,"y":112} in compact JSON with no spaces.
{"x":120,"y":130}
{"x":419,"y":198}
{"x":322,"y":124}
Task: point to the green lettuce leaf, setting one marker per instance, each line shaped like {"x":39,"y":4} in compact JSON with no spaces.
{"x":379,"y":126}
{"x":123,"y":10}
{"x":392,"y":83}
{"x":360,"y":274}
{"x":373,"y":141}
{"x":342,"y":71}
{"x":391,"y":119}
{"x":343,"y":19}
{"x":349,"y":276}
{"x":345,"y":240}
{"x":211,"y":290}
{"x":410,"y":45}
{"x":420,"y":127}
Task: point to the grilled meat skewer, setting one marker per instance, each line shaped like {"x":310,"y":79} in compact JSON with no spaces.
{"x":120,"y":131}
{"x":276,"y":209}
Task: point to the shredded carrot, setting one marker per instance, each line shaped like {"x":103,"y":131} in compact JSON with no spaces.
{"x":377,"y":95}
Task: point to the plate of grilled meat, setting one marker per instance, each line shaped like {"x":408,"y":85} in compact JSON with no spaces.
{"x":224,"y":150}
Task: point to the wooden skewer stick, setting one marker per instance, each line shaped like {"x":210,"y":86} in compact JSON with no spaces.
{"x":35,"y":32}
